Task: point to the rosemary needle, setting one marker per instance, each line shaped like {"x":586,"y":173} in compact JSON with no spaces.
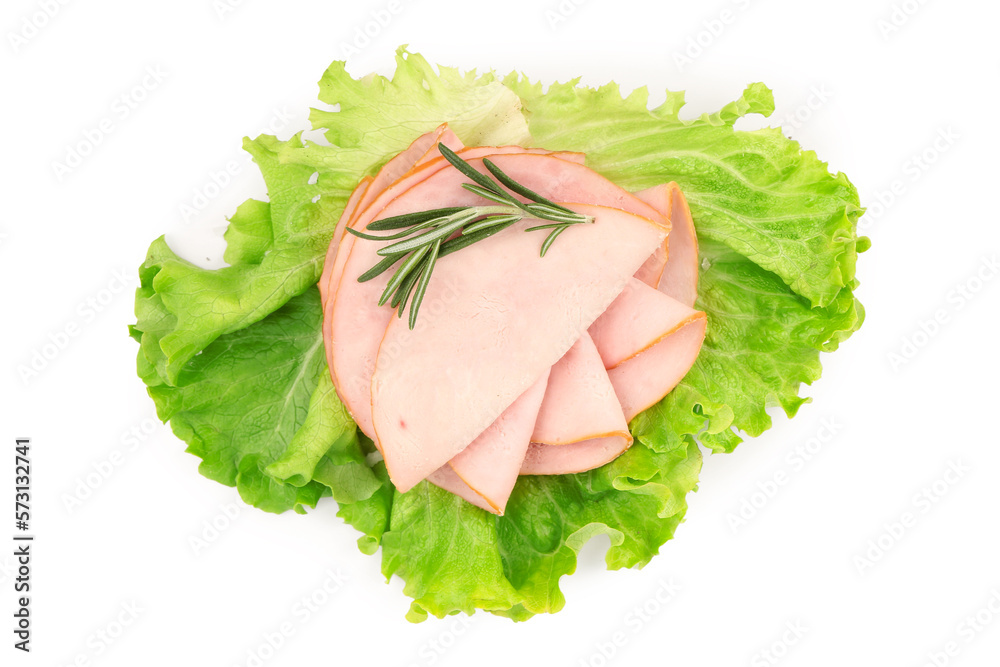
{"x":425,"y":277}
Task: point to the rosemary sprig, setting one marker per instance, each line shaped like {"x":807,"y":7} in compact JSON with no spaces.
{"x":426,"y":236}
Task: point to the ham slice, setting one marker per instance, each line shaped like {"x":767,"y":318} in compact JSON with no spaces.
{"x":356,"y":308}
{"x":558,"y":398}
{"x":446,"y":478}
{"x":484,"y":473}
{"x":580,"y":425}
{"x":652,"y":269}
{"x":356,"y":319}
{"x":569,"y":459}
{"x":338,"y":236}
{"x":648,"y":342}
{"x":486,"y":347}
{"x":678,"y":277}
{"x":580,"y":403}
{"x":331,"y":269}
{"x":391,"y":173}
{"x":366,"y":191}
{"x":644,"y":380}
{"x":639,"y":318}
{"x":394,"y":177}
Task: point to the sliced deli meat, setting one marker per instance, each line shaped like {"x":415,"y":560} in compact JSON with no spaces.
{"x":374,"y":190}
{"x":485,"y":472}
{"x":648,"y":342}
{"x":399,"y":166}
{"x":576,"y":457}
{"x":639,"y":318}
{"x":678,"y":277}
{"x":485,"y":344}
{"x":580,"y":402}
{"x":402,"y":171}
{"x":518,"y":363}
{"x":581,"y":424}
{"x":652,"y":269}
{"x":331,"y":267}
{"x":370,"y":188}
{"x":338,"y":235}
{"x":356,"y":321}
{"x":645,"y":379}
{"x":446,"y":478}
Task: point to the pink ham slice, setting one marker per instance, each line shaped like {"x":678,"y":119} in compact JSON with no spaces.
{"x":648,"y":342}
{"x":484,"y":473}
{"x":395,"y":176}
{"x":486,"y":347}
{"x":328,"y":265}
{"x":652,"y":269}
{"x":580,"y":403}
{"x":353,"y":307}
{"x":363,"y":195}
{"x":446,"y":478}
{"x":391,"y":173}
{"x":639,"y":318}
{"x":678,"y":277}
{"x":573,"y":458}
{"x":338,"y":235}
{"x":580,"y":424}
{"x":644,"y":380}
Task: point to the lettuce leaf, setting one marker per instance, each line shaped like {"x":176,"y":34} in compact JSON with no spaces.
{"x":233,"y":358}
{"x":777,"y":240}
{"x":757,"y":192}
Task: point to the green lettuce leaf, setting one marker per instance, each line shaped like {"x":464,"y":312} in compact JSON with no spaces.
{"x":233,"y":358}
{"x":239,"y":403}
{"x":757,"y":192}
{"x":457,"y":557}
{"x":777,"y":240}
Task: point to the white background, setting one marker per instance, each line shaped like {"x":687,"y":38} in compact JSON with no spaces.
{"x":868,"y":99}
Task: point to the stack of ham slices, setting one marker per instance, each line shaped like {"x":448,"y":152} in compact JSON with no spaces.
{"x":518,"y":364}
